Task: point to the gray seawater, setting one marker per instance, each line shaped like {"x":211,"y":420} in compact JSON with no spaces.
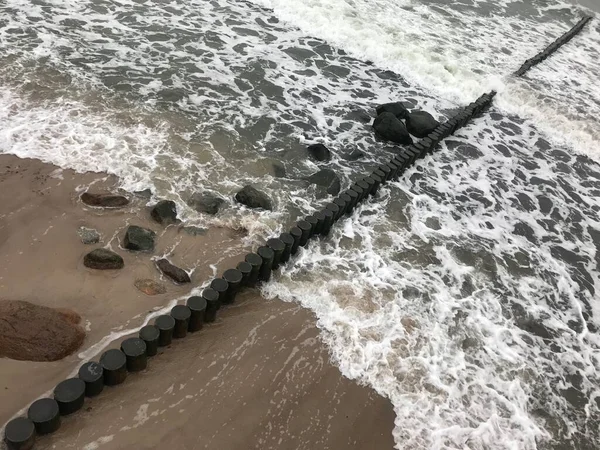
{"x":466,"y":292}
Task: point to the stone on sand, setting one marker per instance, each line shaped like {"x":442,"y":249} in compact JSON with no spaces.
{"x":165,"y":212}
{"x":104,"y":200}
{"x":150,"y":287}
{"x":139,"y":239}
{"x":103,"y":259}
{"x":88,"y":235}
{"x":31,"y":332}
{"x":173,"y":272}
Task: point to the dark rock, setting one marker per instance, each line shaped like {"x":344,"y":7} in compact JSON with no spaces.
{"x":165,"y":212}
{"x":319,"y":152}
{"x":420,"y":123}
{"x":279,"y":170}
{"x":389,"y":127}
{"x":31,"y":332}
{"x":328,"y":179}
{"x":355,"y":155}
{"x":396,"y":108}
{"x":88,"y":235}
{"x":103,"y":259}
{"x":139,"y":239}
{"x":253,"y":198}
{"x":205,"y":202}
{"x":104,"y":200}
{"x":173,"y":272}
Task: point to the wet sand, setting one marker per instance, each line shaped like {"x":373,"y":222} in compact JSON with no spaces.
{"x":257,"y":378}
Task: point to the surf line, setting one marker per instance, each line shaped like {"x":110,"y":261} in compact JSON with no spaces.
{"x":43,"y":416}
{"x":553,"y":47}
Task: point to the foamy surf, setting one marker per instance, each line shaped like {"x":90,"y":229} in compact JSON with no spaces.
{"x":466,"y":293}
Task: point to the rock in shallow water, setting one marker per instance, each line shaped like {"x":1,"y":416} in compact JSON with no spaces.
{"x":420,"y":123}
{"x":355,"y":155}
{"x":396,"y":108}
{"x":31,"y":332}
{"x":146,"y":193}
{"x":319,"y":152}
{"x":88,"y":235}
{"x":279,"y":170}
{"x":253,"y":198}
{"x":103,"y":259}
{"x":205,"y":202}
{"x":389,"y":127}
{"x":104,"y":200}
{"x":139,"y":239}
{"x":328,"y":179}
{"x":165,"y":212}
{"x":173,"y":272}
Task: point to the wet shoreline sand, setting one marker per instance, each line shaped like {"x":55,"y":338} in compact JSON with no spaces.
{"x":259,"y":377}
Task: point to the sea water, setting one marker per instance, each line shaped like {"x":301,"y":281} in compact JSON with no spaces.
{"x":465,"y":292}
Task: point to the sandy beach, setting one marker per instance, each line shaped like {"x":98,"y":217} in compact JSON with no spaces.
{"x":259,"y":377}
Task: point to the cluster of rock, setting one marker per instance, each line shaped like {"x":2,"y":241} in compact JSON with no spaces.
{"x":209,"y":203}
{"x":136,"y":239}
{"x":396,"y":123}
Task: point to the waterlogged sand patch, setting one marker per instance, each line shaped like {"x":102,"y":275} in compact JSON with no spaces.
{"x":31,"y":332}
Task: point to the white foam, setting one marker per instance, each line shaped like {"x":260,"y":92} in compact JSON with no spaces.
{"x":467,"y":375}
{"x":460,"y":52}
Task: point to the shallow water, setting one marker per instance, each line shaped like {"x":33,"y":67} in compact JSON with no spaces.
{"x":466,"y":292}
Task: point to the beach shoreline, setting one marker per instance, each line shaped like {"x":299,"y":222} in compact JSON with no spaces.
{"x":43,"y":265}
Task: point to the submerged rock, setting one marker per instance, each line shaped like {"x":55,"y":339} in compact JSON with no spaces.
{"x":389,"y":127}
{"x":396,"y":108}
{"x":103,"y":259}
{"x":279,"y":170}
{"x":195,"y":231}
{"x":173,"y":272}
{"x":104,"y":200}
{"x":355,"y":155}
{"x":253,"y":198}
{"x":139,"y":239}
{"x":146,"y":193}
{"x":31,"y":332}
{"x":319,"y":152}
{"x":150,"y":287}
{"x":88,"y":235}
{"x":205,"y":202}
{"x":420,"y":123}
{"x":165,"y":212}
{"x":328,"y":179}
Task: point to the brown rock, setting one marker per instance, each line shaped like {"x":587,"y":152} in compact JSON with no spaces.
{"x":104,"y":200}
{"x":173,"y":272}
{"x":30,"y":332}
{"x":150,"y":287}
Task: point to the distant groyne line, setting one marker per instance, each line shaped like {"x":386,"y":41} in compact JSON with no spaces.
{"x":552,"y":47}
